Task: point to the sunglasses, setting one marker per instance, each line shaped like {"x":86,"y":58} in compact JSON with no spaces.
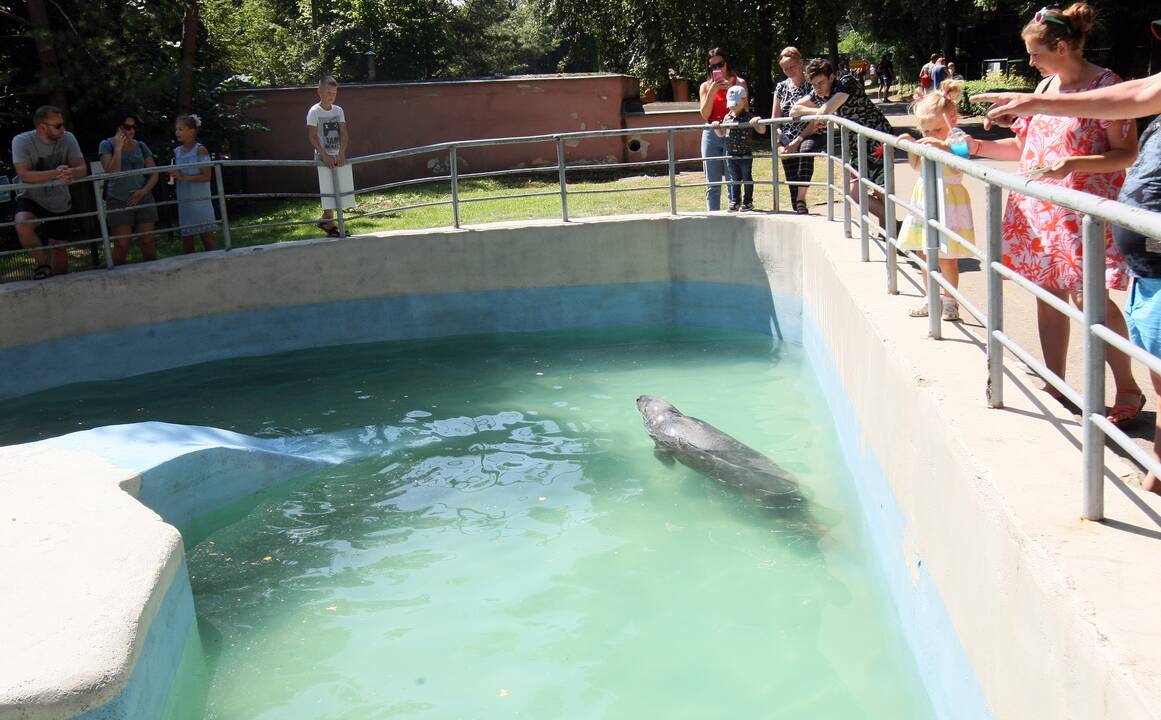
{"x":1043,"y":17}
{"x":717,"y":65}
{"x":55,"y":126}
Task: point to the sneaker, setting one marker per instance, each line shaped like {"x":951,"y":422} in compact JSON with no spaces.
{"x":734,"y":207}
{"x":748,"y":207}
{"x":951,"y":310}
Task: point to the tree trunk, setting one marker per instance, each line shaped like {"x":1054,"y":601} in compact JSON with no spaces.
{"x":50,"y":79}
{"x":797,"y":11}
{"x":762,"y":70}
{"x":189,"y":54}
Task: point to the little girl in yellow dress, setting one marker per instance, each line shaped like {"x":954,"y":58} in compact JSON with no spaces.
{"x":936,"y":116}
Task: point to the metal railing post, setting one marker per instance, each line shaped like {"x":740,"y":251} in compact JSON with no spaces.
{"x":103,"y":221}
{"x":994,"y":253}
{"x":864,"y":234}
{"x":931,"y":246}
{"x":1095,"y":311}
{"x":338,"y":201}
{"x":453,"y":170}
{"x":889,"y":219}
{"x":774,"y":132}
{"x":671,"y":149}
{"x":563,"y":189}
{"x":222,"y":206}
{"x":829,"y":171}
{"x":845,"y":139}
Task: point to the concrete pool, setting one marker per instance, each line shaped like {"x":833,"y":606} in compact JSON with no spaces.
{"x":970,"y":535}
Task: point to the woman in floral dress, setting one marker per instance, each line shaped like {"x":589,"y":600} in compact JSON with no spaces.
{"x":1042,"y":241}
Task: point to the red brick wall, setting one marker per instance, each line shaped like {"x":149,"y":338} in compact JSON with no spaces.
{"x":382,"y":117}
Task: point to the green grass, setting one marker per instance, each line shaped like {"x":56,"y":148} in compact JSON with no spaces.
{"x":485,"y":201}
{"x":616,"y":194}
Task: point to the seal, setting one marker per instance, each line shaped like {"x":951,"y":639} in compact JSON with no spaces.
{"x":702,"y":447}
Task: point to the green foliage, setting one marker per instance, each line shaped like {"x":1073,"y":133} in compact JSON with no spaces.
{"x":115,"y":57}
{"x":992,"y":82}
{"x":857,"y":44}
{"x":288,"y":42}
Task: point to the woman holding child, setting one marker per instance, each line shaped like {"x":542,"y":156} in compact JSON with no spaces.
{"x":796,"y":137}
{"x":712,"y":95}
{"x":1042,"y":241}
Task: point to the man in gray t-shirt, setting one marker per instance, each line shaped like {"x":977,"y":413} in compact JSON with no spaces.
{"x":48,"y":154}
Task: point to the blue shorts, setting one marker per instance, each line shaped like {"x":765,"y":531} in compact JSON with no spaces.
{"x":1144,"y":314}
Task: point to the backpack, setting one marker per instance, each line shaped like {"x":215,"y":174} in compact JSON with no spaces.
{"x":924,"y":78}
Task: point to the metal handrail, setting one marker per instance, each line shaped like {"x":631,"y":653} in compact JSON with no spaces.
{"x":1098,"y":211}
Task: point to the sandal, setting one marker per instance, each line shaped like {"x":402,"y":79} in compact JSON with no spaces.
{"x":1123,"y":413}
{"x":330,"y":229}
{"x":951,"y":311}
{"x":42,"y":272}
{"x":800,"y":207}
{"x":919,"y":310}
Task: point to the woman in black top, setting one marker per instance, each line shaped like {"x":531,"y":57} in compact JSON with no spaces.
{"x":844,"y":96}
{"x":886,"y":72}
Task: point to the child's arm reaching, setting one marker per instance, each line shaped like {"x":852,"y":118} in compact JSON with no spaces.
{"x":718,"y":129}
{"x":911,"y":157}
{"x":760,"y":129}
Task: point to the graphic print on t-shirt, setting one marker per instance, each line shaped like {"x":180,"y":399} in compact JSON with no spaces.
{"x":330,"y":135}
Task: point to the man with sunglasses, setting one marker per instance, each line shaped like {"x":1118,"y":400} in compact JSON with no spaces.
{"x":48,"y":154}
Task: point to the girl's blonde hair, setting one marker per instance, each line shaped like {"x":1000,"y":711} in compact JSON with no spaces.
{"x":940,"y":103}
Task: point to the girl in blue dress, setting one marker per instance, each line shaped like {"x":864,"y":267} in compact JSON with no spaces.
{"x":195,"y":210}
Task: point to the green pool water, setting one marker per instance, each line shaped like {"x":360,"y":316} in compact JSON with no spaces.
{"x":507,"y":545}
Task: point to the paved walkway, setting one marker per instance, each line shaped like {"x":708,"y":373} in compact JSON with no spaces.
{"x":1019,"y":306}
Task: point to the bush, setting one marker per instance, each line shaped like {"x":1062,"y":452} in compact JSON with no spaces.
{"x":992,"y":82}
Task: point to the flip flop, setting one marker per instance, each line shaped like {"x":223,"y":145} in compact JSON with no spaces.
{"x":42,"y":272}
{"x":800,"y":207}
{"x":1123,"y":413}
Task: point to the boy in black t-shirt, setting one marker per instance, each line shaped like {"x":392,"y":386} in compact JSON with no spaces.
{"x":739,"y":166}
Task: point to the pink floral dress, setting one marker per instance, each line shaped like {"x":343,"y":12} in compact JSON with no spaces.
{"x":1042,"y":241}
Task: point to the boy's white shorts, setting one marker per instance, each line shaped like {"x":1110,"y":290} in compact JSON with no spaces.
{"x":326,"y":186}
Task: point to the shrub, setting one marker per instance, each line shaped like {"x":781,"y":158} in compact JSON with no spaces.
{"x":992,"y":82}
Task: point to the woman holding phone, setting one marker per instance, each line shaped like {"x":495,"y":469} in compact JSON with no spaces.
{"x":713,"y":108}
{"x":1042,"y":241}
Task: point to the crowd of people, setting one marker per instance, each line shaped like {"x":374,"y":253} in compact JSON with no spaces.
{"x":50,"y":154}
{"x":1075,"y":131}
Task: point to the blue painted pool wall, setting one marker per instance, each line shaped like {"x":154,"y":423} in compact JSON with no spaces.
{"x":951,"y":683}
{"x":161,"y":656}
{"x":148,"y":348}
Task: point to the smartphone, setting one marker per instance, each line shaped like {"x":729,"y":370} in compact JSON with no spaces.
{"x":1035,"y":173}
{"x":717,"y":75}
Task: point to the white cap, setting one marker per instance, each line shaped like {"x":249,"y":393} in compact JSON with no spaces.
{"x":735,"y":95}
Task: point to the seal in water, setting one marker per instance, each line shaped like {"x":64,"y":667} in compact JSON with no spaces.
{"x":701,"y":446}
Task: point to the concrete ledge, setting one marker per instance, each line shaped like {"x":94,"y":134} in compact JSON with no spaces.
{"x":97,"y":576}
{"x":1057,"y":615}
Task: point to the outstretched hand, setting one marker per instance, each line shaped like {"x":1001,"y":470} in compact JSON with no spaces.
{"x":1006,"y":107}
